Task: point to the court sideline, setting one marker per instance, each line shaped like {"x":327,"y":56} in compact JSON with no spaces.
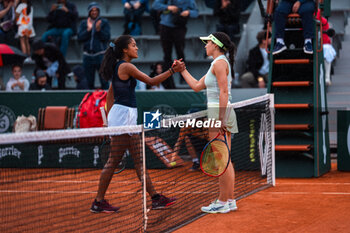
{"x":294,"y":205}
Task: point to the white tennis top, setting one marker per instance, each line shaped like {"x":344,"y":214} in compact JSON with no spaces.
{"x":213,"y":91}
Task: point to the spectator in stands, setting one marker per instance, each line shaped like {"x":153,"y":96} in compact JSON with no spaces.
{"x":157,"y":69}
{"x":17,"y":82}
{"x":155,"y":15}
{"x":329,"y":52}
{"x":40,"y":83}
{"x":7,"y":22}
{"x":173,"y":29}
{"x":306,"y":9}
{"x":228,"y":12}
{"x":257,"y":64}
{"x":133,"y":11}
{"x":62,"y":18}
{"x":80,"y":77}
{"x":2,"y":85}
{"x":94,"y":32}
{"x":210,"y":3}
{"x":24,"y":15}
{"x":49,"y":58}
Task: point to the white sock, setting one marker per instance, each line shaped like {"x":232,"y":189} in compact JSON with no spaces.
{"x":307,"y":40}
{"x":280,"y":40}
{"x":195,"y":160}
{"x":222,"y":202}
{"x":231,"y":200}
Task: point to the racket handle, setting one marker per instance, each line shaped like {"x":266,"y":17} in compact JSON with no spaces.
{"x":104,"y":117}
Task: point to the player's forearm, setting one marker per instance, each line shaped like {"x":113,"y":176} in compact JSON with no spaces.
{"x":160,"y":78}
{"x":191,"y":81}
{"x":223,"y":100}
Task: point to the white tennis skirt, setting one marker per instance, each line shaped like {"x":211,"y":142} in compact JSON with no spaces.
{"x":231,"y":120}
{"x":121,"y":115}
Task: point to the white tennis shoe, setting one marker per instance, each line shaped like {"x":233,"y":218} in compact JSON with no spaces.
{"x":232,"y":205}
{"x":216,"y":207}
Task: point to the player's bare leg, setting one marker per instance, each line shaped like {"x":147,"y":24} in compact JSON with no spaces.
{"x":116,"y":154}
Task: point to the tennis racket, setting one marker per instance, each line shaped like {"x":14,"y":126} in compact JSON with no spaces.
{"x":105,"y":150}
{"x":215,"y":157}
{"x":104,"y":117}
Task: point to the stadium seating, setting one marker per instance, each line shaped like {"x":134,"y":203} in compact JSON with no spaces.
{"x":149,"y":43}
{"x":150,"y":50}
{"x":55,"y":117}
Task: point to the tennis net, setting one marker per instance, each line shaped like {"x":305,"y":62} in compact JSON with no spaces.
{"x":49,"y":179}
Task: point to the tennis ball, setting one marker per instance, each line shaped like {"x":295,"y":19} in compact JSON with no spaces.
{"x":172,"y":164}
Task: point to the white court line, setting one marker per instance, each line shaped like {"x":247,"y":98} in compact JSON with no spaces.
{"x":56,"y":192}
{"x":130,"y":182}
{"x":306,"y":183}
{"x":90,"y":192}
{"x":177,"y":182}
{"x":309,"y":193}
{"x":115,"y":182}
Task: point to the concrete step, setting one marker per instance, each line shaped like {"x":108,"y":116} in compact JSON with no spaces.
{"x":204,"y":24}
{"x":150,"y":48}
{"x":113,"y":11}
{"x":107,"y":7}
{"x":196,"y":67}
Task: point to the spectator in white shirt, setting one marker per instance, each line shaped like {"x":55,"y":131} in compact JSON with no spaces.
{"x":17,"y":82}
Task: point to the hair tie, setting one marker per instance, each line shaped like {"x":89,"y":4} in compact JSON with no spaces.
{"x":111,"y":44}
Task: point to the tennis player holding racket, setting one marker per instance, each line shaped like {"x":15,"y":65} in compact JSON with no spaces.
{"x":218,"y":81}
{"x":117,"y":67}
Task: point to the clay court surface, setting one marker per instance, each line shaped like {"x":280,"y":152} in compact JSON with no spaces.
{"x":58,"y":200}
{"x":294,"y":205}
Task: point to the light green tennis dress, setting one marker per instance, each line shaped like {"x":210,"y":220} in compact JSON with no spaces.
{"x":213,"y":93}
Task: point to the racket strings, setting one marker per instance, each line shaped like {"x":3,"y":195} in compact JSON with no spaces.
{"x":215,"y":158}
{"x":120,"y":158}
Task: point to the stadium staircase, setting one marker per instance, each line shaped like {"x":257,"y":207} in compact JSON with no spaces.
{"x":301,"y":115}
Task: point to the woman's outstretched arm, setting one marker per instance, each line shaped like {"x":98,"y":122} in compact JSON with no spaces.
{"x":195,"y":84}
{"x":128,"y":69}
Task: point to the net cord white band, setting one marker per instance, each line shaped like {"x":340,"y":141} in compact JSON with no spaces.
{"x":13,"y":138}
{"x":204,"y":113}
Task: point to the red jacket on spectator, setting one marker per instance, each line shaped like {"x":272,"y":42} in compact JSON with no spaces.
{"x":325,"y":27}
